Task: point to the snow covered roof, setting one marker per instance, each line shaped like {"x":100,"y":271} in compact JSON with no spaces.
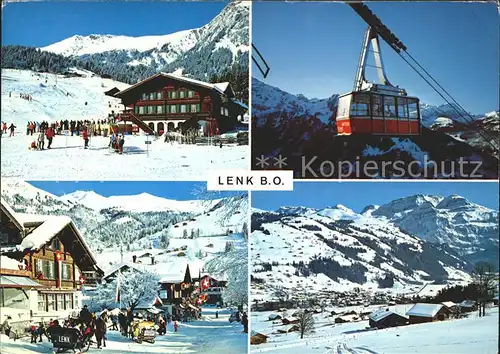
{"x":220,"y":87}
{"x":449,"y":304}
{"x":11,"y":214}
{"x":147,"y":304}
{"x":46,"y":228}
{"x":467,"y":303}
{"x":119,"y":266}
{"x":9,"y":263}
{"x":239,"y":103}
{"x":424,"y":310}
{"x":381,"y":314}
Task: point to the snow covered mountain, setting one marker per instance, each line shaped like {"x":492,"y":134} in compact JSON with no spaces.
{"x":166,"y":47}
{"x":199,"y":53}
{"x":336,"y":248}
{"x":136,"y":222}
{"x":470,"y":229}
{"x":291,"y":125}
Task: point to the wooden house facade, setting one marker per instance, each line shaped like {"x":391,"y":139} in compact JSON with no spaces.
{"x":175,"y":289}
{"x":385,"y":319}
{"x":167,"y":102}
{"x":422,"y":313}
{"x":54,"y":262}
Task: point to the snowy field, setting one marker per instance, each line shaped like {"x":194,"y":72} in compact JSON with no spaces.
{"x":468,"y":335}
{"x":66,"y":98}
{"x":208,"y":335}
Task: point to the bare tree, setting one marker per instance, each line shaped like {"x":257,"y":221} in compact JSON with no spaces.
{"x":485,"y":277}
{"x":306,"y":323}
{"x":280,"y":293}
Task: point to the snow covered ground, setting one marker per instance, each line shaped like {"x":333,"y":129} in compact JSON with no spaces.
{"x":66,"y":98}
{"x":68,"y":160}
{"x":468,"y":335}
{"x":208,"y":335}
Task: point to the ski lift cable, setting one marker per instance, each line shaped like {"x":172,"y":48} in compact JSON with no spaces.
{"x":495,"y":148}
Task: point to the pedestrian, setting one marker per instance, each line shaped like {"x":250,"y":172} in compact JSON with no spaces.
{"x":85,"y":136}
{"x":121,"y":142}
{"x":216,"y":314}
{"x":50,"y":135}
{"x":176,"y":325}
{"x":7,"y":326}
{"x":41,"y":141}
{"x":11,"y":128}
{"x":85,"y":316}
{"x":4,"y":127}
{"x":32,"y":128}
{"x":244,"y":322}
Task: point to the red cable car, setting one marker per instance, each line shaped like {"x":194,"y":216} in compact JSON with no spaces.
{"x":376,"y":109}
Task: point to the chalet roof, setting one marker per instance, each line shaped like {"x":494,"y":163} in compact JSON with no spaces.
{"x":46,"y":228}
{"x":467,"y":303}
{"x":425,"y":310}
{"x":220,"y":87}
{"x":11,"y":214}
{"x":449,"y":304}
{"x":381,"y":314}
{"x":119,"y":266}
{"x":147,"y":304}
{"x":112,"y":92}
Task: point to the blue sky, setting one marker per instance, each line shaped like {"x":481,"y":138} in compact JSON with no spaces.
{"x":42,"y":23}
{"x":170,"y":190}
{"x":313,"y":48}
{"x":357,"y":195}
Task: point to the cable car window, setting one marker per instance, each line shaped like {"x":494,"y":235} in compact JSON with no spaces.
{"x":343,"y":107}
{"x":360,"y":105}
{"x":377,"y":106}
{"x":389,"y":107}
{"x":402,"y":108}
{"x":413,"y":108}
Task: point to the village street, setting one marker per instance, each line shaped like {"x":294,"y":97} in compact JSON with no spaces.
{"x":209,"y":335}
{"x":67,"y":158}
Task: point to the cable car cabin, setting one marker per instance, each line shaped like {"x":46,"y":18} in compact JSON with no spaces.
{"x":366,"y":112}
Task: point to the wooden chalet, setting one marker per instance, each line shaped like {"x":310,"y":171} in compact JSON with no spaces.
{"x":53,"y":262}
{"x":168,"y":102}
{"x":174,"y":288}
{"x":384,"y":318}
{"x":421,"y":313}
{"x":214,"y":291}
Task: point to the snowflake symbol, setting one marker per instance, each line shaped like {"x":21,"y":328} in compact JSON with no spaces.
{"x":262,"y":161}
{"x":280,"y":161}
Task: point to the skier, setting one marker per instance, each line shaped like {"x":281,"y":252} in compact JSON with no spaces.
{"x":28,"y":128}
{"x":32,"y":127}
{"x":50,"y":134}
{"x":85,"y":136}
{"x":11,"y":128}
{"x":4,"y":128}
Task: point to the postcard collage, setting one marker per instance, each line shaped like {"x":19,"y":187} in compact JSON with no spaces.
{"x":226,"y":177}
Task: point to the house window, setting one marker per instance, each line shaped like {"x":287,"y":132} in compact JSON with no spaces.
{"x":42,"y":302}
{"x":194,"y":108}
{"x":144,"y":96}
{"x":163,"y":294}
{"x":183,"y":108}
{"x":182,"y":94}
{"x":151,"y":109}
{"x":159,"y":109}
{"x":136,"y":109}
{"x":47,"y":268}
{"x":152,"y":96}
{"x":68,"y":299}
{"x":55,"y":244}
{"x":226,"y":111}
{"x":377,"y":106}
{"x":413,"y":108}
{"x":173,"y":108}
{"x":190,"y":94}
{"x":60,"y":302}
{"x":159,"y":95}
{"x":51,"y":302}
{"x":222,"y":110}
{"x":173,"y":94}
{"x":177,"y":294}
{"x":66,"y":271}
{"x":142,"y":110}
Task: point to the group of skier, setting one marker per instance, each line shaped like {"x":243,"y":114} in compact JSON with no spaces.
{"x":11,"y":128}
